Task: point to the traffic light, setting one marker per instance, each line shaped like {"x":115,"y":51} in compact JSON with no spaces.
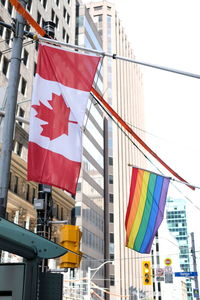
{"x":146,"y":273}
{"x":70,"y":236}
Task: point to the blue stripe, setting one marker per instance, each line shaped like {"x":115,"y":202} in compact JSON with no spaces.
{"x":154,"y":213}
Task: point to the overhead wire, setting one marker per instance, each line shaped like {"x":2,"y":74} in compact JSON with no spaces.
{"x":142,"y":152}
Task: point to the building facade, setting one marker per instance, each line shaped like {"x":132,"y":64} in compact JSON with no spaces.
{"x":123,"y":89}
{"x":177,"y":224}
{"x":90,"y":191}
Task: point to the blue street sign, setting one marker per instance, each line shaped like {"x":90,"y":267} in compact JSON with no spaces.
{"x":186,"y":274}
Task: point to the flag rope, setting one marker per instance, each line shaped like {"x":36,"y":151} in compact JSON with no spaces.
{"x":138,"y":139}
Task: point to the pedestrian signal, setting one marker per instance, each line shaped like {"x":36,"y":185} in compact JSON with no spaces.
{"x":146,"y":273}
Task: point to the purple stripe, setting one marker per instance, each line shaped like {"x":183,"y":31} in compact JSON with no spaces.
{"x":160,"y":212}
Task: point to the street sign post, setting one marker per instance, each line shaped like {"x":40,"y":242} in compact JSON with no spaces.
{"x":186,"y":274}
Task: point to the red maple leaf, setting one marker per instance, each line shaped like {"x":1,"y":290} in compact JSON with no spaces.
{"x":57,"y":117}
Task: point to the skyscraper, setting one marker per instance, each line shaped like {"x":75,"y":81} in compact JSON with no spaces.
{"x":177,"y":224}
{"x":123,"y":89}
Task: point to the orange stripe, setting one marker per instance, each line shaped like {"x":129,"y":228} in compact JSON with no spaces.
{"x":135,"y":203}
{"x":121,"y":121}
{"x":21,"y":10}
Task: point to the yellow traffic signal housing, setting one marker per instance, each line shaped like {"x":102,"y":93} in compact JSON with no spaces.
{"x":70,"y":236}
{"x":146,"y":273}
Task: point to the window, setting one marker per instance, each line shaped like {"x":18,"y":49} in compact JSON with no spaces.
{"x":21,"y":113}
{"x":23,"y":86}
{"x":34,"y":70}
{"x":57,"y":2}
{"x":110,"y":161}
{"x":16,"y":185}
{"x":57,"y":20}
{"x":44,"y":4}
{"x":1,"y":28}
{"x":112,"y":280}
{"x":8,"y":35}
{"x":3,"y":2}
{"x":29,"y":5}
{"x":10,"y":178}
{"x":27,"y":192}
{"x":112,"y":256}
{"x":67,"y":39}
{"x":68,"y":19}
{"x":52,"y":15}
{"x":111,"y":198}
{"x":18,"y":148}
{"x":64,"y":12}
{"x":57,"y":211}
{"x":111,"y":217}
{"x":61,"y":213}
{"x":68,"y":1}
{"x":111,"y":237}
{"x":25,"y":58}
{"x":64,"y":33}
{"x":5,"y":66}
{"x":10,"y":8}
{"x":98,"y":8}
{"x":0,"y":55}
{"x":38,"y":17}
{"x":111,"y":179}
{"x":36,"y":46}
{"x":33,"y":194}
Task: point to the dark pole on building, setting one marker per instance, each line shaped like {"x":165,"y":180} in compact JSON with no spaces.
{"x":194,"y":264}
{"x":10,"y":110}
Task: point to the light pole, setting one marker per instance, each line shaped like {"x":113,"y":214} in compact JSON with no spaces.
{"x":91,"y":276}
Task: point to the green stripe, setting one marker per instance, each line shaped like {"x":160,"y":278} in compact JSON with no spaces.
{"x":147,"y":211}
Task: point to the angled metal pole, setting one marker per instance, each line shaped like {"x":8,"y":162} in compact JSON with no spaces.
{"x":10,"y":110}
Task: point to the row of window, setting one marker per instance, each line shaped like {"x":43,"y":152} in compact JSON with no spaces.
{"x":8,"y":5}
{"x":93,"y":217}
{"x":21,"y":188}
{"x":5,"y":68}
{"x":28,"y":193}
{"x":92,"y":240}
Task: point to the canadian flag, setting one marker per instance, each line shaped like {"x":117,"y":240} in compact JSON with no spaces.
{"x":61,"y":88}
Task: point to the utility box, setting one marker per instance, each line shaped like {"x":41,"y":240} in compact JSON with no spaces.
{"x":12,"y":281}
{"x":51,"y":286}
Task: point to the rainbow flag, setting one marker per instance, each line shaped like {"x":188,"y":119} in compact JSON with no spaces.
{"x":145,"y":210}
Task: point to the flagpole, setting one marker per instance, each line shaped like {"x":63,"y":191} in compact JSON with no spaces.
{"x":173,"y":179}
{"x":10,"y":109}
{"x":118,"y":57}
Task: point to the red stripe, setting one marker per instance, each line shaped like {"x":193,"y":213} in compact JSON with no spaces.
{"x":68,"y":68}
{"x":50,"y":168}
{"x":132,"y":190}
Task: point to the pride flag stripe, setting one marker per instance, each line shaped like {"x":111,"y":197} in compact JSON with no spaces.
{"x":145,"y":218}
{"x":145,"y":210}
{"x":140,"y":210}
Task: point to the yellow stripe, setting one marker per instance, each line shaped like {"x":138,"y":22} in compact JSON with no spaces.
{"x":139,"y":214}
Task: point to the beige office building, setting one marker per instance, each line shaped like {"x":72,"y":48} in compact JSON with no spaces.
{"x":123,"y":89}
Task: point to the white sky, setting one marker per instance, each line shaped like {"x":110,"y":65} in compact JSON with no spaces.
{"x":167,"y":33}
